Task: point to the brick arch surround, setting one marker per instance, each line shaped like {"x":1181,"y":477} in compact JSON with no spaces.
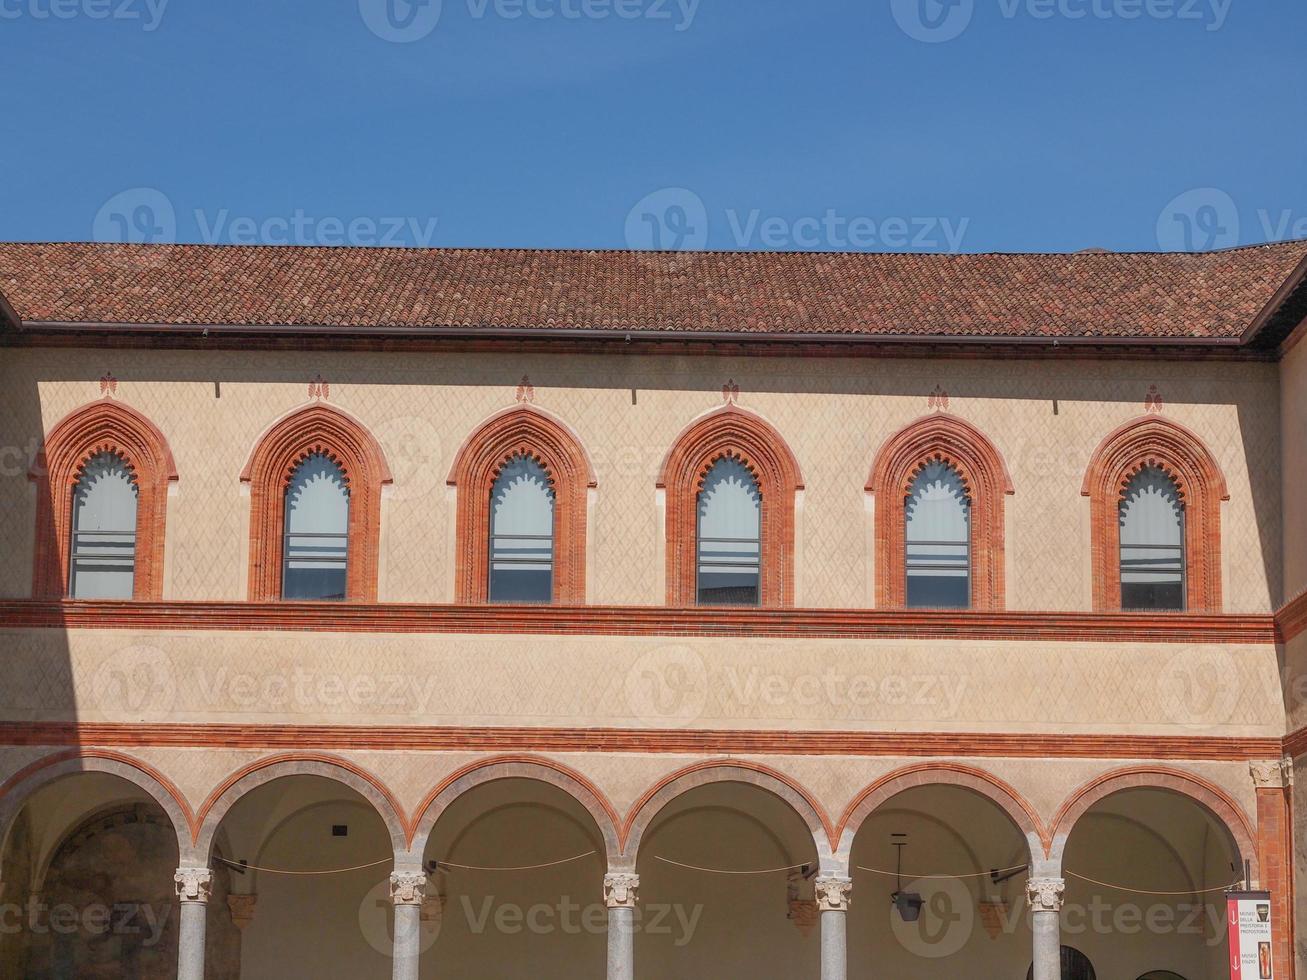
{"x":740,"y":434}
{"x":102,"y":426}
{"x":1200,"y":790}
{"x":960,"y":444}
{"x":1023,"y":815}
{"x":537,"y":768}
{"x":522,"y":430}
{"x":1156,"y":441}
{"x":316,"y":428}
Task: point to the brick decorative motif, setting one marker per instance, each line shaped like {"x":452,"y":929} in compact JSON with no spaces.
{"x":737,"y":433}
{"x":103,"y":426}
{"x":316,"y":428}
{"x":1152,"y":440}
{"x":521,"y":430}
{"x":951,"y":440}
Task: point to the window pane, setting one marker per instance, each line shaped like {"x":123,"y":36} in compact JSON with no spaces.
{"x":103,"y":553}
{"x":1152,"y":543}
{"x":730,"y":536}
{"x":316,"y":546}
{"x":938,"y":561}
{"x":522,"y":533}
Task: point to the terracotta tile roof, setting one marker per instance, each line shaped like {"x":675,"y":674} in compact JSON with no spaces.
{"x":1086,"y":295}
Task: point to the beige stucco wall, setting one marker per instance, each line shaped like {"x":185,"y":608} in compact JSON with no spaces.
{"x":641,"y":682}
{"x":1293,"y":422}
{"x":1045,"y":417}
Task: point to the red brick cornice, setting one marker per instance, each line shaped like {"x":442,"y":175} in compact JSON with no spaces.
{"x":1291,"y":618}
{"x":521,"y":430}
{"x":1152,"y":440}
{"x":316,"y":428}
{"x":961,"y":445}
{"x":740,"y":434}
{"x":640,"y":621}
{"x":105,"y":426}
{"x":646,"y":741}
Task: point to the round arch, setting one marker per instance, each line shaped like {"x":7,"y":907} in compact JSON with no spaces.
{"x":735,"y":432}
{"x":263,"y":771}
{"x":525,"y":430}
{"x":1206,"y":794}
{"x":538,"y":769}
{"x":1023,"y":816}
{"x":311,"y":429}
{"x":101,"y":426}
{"x":984,"y":474}
{"x":1156,"y":441}
{"x":644,"y":811}
{"x":18,"y":789}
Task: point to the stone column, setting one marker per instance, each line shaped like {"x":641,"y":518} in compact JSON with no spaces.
{"x":620,"y":895}
{"x":1044,"y":896}
{"x":833,"y":905}
{"x":407,"y":892}
{"x":194,"y":885}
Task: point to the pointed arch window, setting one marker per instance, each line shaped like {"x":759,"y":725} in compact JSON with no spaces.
{"x":729,"y":536}
{"x":315,"y":549}
{"x":1152,"y":543}
{"x":521,"y":533}
{"x":103,"y":547}
{"x":937,"y":535}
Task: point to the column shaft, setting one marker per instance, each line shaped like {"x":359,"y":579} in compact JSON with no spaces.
{"x":621,"y":944}
{"x":1044,"y":897}
{"x":193,"y":888}
{"x":407,"y":893}
{"x":834,"y":945}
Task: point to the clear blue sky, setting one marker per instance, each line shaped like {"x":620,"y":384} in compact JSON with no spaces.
{"x":733,"y":123}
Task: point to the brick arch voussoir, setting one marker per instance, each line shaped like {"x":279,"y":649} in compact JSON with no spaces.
{"x":984,"y":473}
{"x":644,"y":811}
{"x":1201,"y":791}
{"x":731,"y":431}
{"x":1024,"y":817}
{"x":237,"y":785}
{"x":526,"y":430}
{"x":19,"y":788}
{"x":1178,"y":451}
{"x":101,"y":426}
{"x":537,"y":768}
{"x":278,"y":452}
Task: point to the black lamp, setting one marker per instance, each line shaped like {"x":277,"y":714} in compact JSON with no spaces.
{"x":908,"y":903}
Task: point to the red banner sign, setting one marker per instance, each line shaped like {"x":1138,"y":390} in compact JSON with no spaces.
{"x":1249,"y":919}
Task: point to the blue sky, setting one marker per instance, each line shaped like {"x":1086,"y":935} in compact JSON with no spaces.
{"x":973,"y":125}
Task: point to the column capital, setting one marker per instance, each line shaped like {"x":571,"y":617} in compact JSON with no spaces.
{"x":1045,"y":894}
{"x":193,"y":884}
{"x":833,"y":893}
{"x":1271,"y":773}
{"x":408,"y":887}
{"x":620,"y":890}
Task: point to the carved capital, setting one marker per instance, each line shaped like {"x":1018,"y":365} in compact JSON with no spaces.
{"x":620,"y":890}
{"x":1272,"y":773}
{"x":408,"y":887}
{"x":193,"y":884}
{"x":242,"y":909}
{"x":833,"y":893}
{"x":1045,"y":894}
